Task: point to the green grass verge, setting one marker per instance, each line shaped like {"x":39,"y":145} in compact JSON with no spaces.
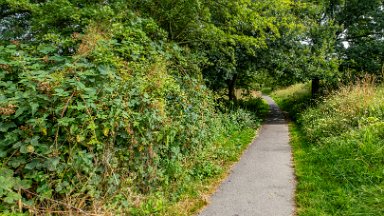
{"x":338,"y":148}
{"x":343,"y":176}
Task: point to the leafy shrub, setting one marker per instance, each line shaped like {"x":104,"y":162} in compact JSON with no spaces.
{"x":117,"y":119}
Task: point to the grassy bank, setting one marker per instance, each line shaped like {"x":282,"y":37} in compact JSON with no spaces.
{"x":338,"y":150}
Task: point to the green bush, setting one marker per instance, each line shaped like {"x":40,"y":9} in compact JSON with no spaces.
{"x":116,"y":120}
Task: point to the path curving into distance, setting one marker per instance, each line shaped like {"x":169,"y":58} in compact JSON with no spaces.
{"x":262,"y":182}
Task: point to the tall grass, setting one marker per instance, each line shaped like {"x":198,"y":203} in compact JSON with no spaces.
{"x":339,"y":152}
{"x":351,"y":107}
{"x":294,"y":99}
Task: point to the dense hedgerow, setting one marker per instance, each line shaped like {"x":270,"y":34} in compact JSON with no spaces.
{"x":339,"y":152}
{"x":90,"y":132}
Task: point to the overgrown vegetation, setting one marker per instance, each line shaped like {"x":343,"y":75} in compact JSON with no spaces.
{"x":112,"y":106}
{"x":112,"y":119}
{"x":338,"y":150}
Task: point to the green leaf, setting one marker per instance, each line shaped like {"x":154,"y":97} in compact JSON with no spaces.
{"x":5,"y":172}
{"x":24,"y":149}
{"x":44,"y":191}
{"x":61,"y":92}
{"x":57,"y":58}
{"x":35,"y":141}
{"x":32,"y":165}
{"x":80,"y":86}
{"x":34,"y":107}
{"x":12,"y":197}
{"x":16,"y":162}
{"x":3,"y":153}
{"x":45,"y":49}
{"x":65,"y":121}
{"x":5,"y":126}
{"x":23,"y":184}
{"x":20,"y":111}
{"x":11,"y":46}
{"x":104,"y":70}
{"x":52,"y":163}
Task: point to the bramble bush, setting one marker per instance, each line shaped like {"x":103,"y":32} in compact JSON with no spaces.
{"x":90,"y":132}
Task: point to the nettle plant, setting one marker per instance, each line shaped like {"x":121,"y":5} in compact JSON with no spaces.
{"x":98,"y":123}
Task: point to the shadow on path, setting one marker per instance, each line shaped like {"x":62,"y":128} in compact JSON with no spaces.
{"x":275,"y":116}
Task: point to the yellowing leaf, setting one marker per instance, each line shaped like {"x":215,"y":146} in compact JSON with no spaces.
{"x":106,"y":131}
{"x":79,"y":138}
{"x":30,"y":149}
{"x":44,"y":131}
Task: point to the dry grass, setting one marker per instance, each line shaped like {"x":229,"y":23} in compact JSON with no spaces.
{"x":291,"y":91}
{"x":90,"y":39}
{"x":241,"y":93}
{"x":353,"y":99}
{"x":349,"y":107}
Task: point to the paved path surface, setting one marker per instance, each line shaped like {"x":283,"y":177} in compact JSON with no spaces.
{"x":262,"y":183}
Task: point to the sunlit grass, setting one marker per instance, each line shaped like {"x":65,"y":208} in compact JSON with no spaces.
{"x":339,"y":152}
{"x":293,"y":99}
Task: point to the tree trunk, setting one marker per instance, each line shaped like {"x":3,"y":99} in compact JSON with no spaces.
{"x":315,"y":87}
{"x":231,"y":88}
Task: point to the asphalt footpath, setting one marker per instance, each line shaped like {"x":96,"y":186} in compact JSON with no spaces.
{"x":262,"y":182}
